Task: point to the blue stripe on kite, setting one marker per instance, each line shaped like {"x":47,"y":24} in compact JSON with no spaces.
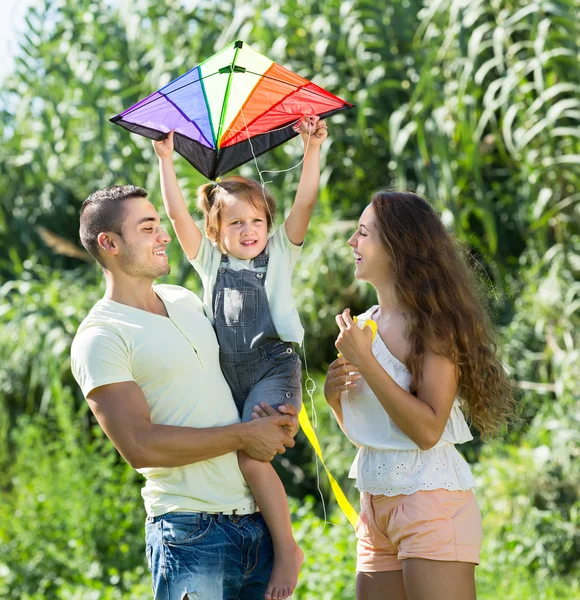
{"x":213,"y":136}
{"x":201,"y":137}
{"x":142,"y":103}
{"x":190,"y":101}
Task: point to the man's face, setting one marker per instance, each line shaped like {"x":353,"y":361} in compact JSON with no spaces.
{"x":143,"y":242}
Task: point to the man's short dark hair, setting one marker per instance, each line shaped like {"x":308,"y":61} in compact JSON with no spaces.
{"x":103,"y":211}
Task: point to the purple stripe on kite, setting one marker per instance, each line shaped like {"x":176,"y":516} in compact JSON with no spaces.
{"x":151,"y":98}
{"x":207,"y":142}
{"x":192,"y":132}
{"x":164,"y":116}
{"x":186,"y":93}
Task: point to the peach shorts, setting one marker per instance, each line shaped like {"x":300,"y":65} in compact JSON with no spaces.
{"x":434,"y":524}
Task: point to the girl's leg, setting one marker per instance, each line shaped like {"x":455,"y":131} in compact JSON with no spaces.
{"x":271,"y":499}
{"x":387,"y":585}
{"x":438,"y":580}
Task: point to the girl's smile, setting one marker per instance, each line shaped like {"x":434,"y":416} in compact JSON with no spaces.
{"x":243,"y":229}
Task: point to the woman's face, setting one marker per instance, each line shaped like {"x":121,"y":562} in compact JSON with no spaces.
{"x":371,"y":259}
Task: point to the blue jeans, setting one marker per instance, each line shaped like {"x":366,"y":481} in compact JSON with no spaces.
{"x":196,"y":556}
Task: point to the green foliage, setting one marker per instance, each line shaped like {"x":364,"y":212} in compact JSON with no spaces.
{"x":474,"y":104}
{"x":73,"y":515}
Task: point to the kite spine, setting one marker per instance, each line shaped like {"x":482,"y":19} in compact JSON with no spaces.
{"x":226,"y":98}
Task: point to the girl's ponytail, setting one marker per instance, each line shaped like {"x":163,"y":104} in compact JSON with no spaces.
{"x":208,"y":203}
{"x":204,"y":198}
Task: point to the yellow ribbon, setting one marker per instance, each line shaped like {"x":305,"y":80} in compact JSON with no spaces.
{"x":342,"y":500}
{"x":308,"y":430}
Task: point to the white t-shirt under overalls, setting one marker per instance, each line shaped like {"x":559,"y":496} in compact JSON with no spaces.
{"x":283,"y":257}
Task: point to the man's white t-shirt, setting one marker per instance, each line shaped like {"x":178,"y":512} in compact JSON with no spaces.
{"x":283,"y":257}
{"x":175,"y":362}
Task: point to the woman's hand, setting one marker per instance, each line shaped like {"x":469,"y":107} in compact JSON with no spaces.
{"x":352,"y":342}
{"x":341,"y":376}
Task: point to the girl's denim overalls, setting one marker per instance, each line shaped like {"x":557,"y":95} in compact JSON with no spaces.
{"x":257,"y":364}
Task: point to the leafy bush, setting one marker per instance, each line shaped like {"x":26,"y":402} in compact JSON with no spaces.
{"x":474,"y":104}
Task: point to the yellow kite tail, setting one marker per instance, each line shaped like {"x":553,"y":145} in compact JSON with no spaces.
{"x":308,"y":430}
{"x":342,"y":500}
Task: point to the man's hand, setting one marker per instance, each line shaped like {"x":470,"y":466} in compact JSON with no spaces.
{"x":164,"y":148}
{"x":265,"y":410}
{"x":264,"y":438}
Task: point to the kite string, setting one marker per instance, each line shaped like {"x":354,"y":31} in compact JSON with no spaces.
{"x":309,"y":384}
{"x":260,"y":172}
{"x":293,"y":167}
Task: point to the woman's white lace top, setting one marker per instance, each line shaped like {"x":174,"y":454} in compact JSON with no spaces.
{"x":388,"y":461}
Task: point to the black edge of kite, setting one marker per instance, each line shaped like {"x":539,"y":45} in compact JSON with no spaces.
{"x":206,"y":160}
{"x":197,"y":155}
{"x":225,"y":163}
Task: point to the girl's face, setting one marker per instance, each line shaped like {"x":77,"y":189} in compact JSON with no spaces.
{"x":371,"y":260}
{"x":243,"y":228}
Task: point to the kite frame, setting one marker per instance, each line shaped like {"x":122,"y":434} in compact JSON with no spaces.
{"x":213,"y":162}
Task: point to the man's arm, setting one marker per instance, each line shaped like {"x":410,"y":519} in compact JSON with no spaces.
{"x":122,"y":411}
{"x":265,"y":410}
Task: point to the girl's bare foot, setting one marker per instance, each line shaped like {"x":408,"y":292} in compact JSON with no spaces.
{"x":287,"y":564}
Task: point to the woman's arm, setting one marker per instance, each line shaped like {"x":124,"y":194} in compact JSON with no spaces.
{"x":187,"y":231}
{"x":423,"y":417}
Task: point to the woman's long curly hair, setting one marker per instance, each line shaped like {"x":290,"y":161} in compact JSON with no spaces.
{"x":437,"y":291}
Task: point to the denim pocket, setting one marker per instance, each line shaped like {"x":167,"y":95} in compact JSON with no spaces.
{"x":282,"y":352}
{"x":236,"y":308}
{"x":184,"y":530}
{"x":149,"y":556}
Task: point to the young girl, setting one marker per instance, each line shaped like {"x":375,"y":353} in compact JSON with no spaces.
{"x":246,"y":277}
{"x":419,"y":532}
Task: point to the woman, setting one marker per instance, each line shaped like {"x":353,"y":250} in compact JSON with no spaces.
{"x":396,"y":397}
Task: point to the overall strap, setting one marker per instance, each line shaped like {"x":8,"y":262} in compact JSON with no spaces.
{"x":262,"y":259}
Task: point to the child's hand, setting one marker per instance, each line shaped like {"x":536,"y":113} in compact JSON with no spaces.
{"x":353,"y":343}
{"x":164,"y":148}
{"x":312,"y":130}
{"x":320,"y":134}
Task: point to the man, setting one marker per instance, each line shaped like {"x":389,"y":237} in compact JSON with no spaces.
{"x":146,"y":359}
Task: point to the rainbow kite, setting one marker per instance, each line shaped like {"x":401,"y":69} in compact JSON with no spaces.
{"x":235,"y":105}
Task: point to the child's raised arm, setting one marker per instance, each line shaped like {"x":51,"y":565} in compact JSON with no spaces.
{"x":187,"y":231}
{"x":307,"y":193}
